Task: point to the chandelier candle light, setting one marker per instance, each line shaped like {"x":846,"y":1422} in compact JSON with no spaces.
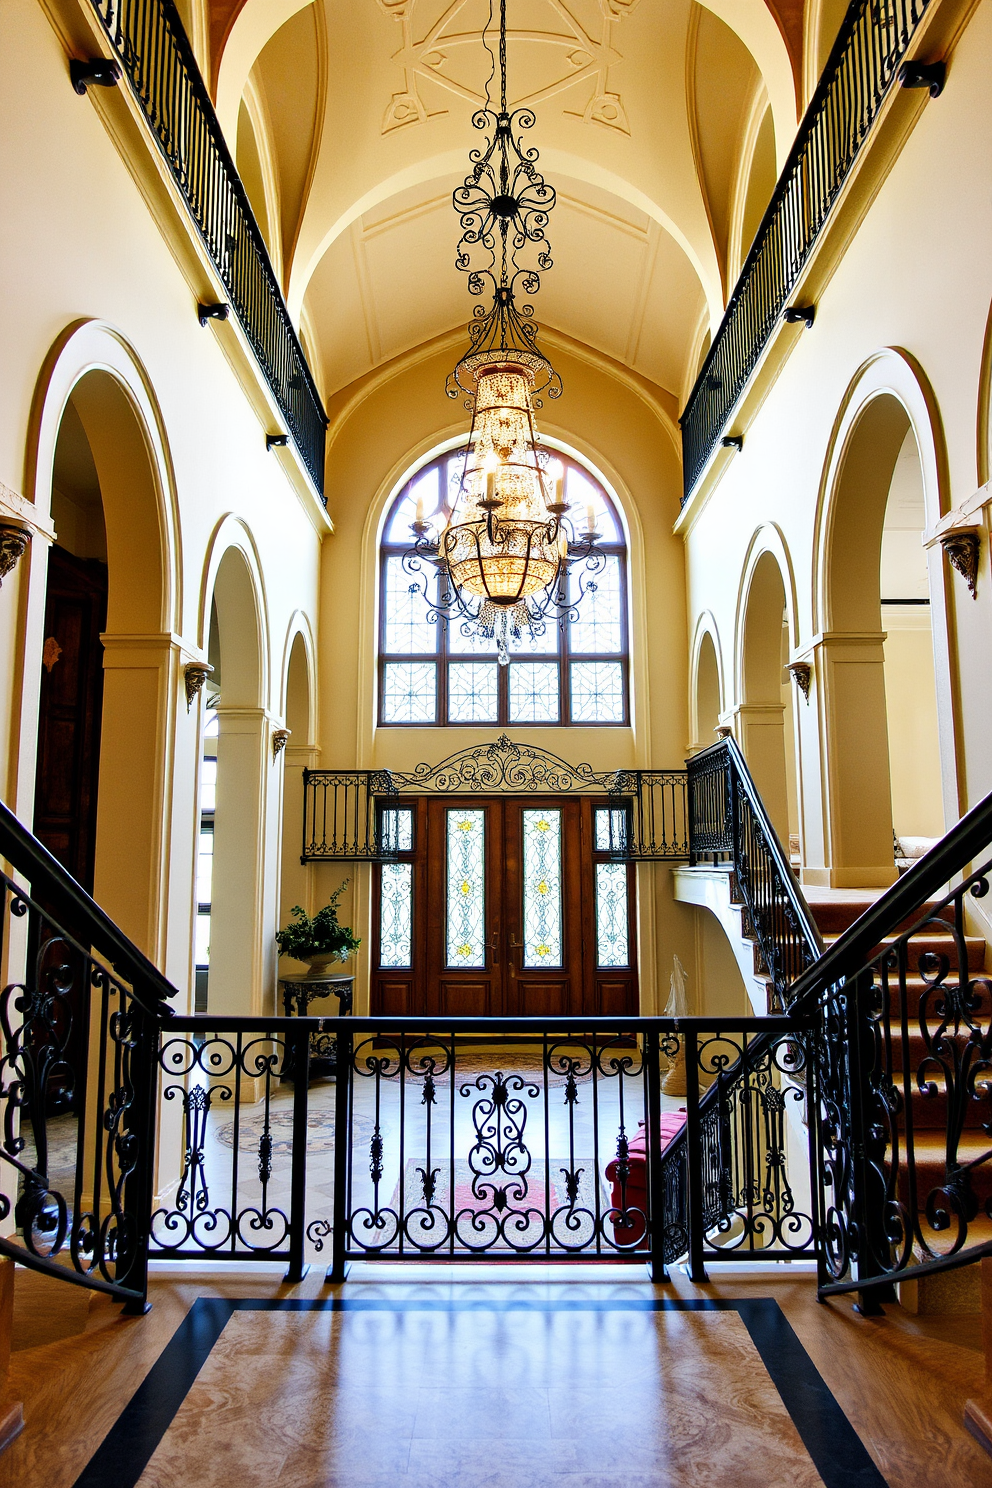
{"x":505,"y":550}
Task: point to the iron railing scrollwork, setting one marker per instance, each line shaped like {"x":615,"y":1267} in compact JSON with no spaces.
{"x":900,"y":1009}
{"x":728,"y":822}
{"x":343,"y":820}
{"x":163,"y":74}
{"x":862,"y":65}
{"x":80,"y":1014}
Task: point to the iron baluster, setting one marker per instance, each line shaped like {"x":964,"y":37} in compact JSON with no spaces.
{"x":697,"y":1270}
{"x":300,"y":1045}
{"x":656,"y":1216}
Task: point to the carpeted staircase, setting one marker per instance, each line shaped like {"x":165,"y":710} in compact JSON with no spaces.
{"x":835,"y":910}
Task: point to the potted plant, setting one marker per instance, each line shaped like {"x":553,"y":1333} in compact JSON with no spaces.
{"x":320,"y":940}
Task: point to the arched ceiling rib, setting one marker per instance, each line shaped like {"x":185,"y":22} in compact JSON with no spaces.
{"x":367,"y":231}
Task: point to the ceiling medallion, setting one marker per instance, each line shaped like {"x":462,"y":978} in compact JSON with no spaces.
{"x":503,"y":547}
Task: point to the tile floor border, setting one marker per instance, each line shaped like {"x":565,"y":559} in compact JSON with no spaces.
{"x":834,"y":1447}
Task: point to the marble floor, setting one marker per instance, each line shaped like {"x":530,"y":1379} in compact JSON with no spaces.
{"x":601,"y":1380}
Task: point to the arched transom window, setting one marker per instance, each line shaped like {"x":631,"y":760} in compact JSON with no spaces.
{"x":432,"y":673}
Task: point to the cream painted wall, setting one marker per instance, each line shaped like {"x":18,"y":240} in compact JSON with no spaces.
{"x":907,"y":311}
{"x":89,"y":250}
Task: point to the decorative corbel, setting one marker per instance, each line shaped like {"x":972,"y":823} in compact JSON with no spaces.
{"x":14,"y":539}
{"x":802,"y":675}
{"x":723,"y":731}
{"x":195,"y":674}
{"x":962,"y":545}
{"x":279,"y":741}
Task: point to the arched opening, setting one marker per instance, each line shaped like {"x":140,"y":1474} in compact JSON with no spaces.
{"x":707,"y":696}
{"x":106,"y":671}
{"x":878,"y":697}
{"x":297,"y":878}
{"x":765,"y":724}
{"x":236,"y":913}
{"x":910,"y":681}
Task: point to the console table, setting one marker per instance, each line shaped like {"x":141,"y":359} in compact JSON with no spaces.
{"x":298,"y":992}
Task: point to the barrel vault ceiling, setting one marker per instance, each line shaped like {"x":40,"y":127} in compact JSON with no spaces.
{"x":662,"y":125}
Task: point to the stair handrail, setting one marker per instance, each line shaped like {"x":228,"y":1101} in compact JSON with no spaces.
{"x":48,"y":878}
{"x":778,"y":950}
{"x":930,"y":874}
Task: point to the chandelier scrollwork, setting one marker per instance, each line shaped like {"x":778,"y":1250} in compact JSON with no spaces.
{"x":507,"y":556}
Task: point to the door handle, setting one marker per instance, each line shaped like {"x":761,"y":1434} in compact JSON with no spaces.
{"x":515,"y":945}
{"x":492,"y":945}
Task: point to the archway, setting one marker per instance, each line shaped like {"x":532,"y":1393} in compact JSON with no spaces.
{"x":706,"y":696}
{"x":238,"y":920}
{"x":109,"y":670}
{"x":296,"y":881}
{"x":878,"y":698}
{"x":764,"y":717}
{"x":910,"y":683}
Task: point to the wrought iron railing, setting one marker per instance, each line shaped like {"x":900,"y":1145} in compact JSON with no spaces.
{"x":901,"y":1005}
{"x":493,"y":1139}
{"x":865,"y":59}
{"x":728,"y":822}
{"x":158,"y":61}
{"x":80,"y":1014}
{"x":346,"y":817}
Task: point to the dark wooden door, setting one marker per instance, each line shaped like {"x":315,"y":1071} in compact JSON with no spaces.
{"x":70,"y":712}
{"x":503,"y":907}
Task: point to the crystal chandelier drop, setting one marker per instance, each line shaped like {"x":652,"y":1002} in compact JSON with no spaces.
{"x":506,"y":547}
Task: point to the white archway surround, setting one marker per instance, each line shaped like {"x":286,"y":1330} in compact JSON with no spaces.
{"x":888,"y":395}
{"x":249,"y":808}
{"x":143,"y":654}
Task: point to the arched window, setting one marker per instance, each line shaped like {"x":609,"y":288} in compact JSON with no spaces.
{"x":431,"y":674}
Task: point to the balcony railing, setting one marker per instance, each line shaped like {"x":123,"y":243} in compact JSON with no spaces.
{"x":159,"y":64}
{"x":872,"y":43}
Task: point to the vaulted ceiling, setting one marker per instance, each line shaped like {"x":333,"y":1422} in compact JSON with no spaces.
{"x":662,"y":125}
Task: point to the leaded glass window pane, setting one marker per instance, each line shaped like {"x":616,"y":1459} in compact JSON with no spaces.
{"x":424,"y":488}
{"x":409,"y":692}
{"x":598,"y":626}
{"x":460,"y":644}
{"x":612,"y":931}
{"x":466,"y":892}
{"x":473,"y":692}
{"x":597,"y":692}
{"x":396,"y":915}
{"x":581,"y":493}
{"x":396,"y":829}
{"x":533,"y":692}
{"x":542,"y":888}
{"x":408,"y":627}
{"x":610,"y":829}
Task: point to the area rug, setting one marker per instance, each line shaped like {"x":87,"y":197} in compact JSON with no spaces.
{"x":320,"y":1132}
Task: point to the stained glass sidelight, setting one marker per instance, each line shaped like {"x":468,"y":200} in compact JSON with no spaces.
{"x":396,"y":915}
{"x":597,"y":692}
{"x":534,"y":692}
{"x":542,"y":888}
{"x":466,"y":892}
{"x":396,"y":829}
{"x":473,"y":692}
{"x":611,"y":829}
{"x":408,"y":692}
{"x":612,"y":931}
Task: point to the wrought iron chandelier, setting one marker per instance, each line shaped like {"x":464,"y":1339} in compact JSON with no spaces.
{"x":505,"y":551}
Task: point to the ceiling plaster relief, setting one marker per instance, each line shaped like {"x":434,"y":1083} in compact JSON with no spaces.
{"x":579,"y":58}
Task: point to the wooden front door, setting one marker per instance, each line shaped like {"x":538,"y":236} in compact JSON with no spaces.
{"x":503,"y":907}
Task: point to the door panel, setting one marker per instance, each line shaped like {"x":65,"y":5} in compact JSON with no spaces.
{"x":503,"y":907}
